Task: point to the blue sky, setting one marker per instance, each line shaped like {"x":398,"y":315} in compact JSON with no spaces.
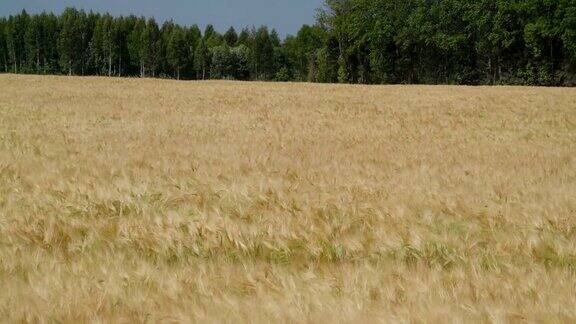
{"x":285,"y":15}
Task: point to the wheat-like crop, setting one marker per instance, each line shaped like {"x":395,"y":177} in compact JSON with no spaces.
{"x":130,"y":200}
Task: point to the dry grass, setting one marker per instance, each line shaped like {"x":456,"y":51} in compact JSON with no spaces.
{"x":147,"y":200}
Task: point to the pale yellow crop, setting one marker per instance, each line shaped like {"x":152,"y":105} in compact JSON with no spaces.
{"x":129,"y":200}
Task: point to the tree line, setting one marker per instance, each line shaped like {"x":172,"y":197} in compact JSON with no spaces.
{"x":353,"y":41}
{"x":450,"y":41}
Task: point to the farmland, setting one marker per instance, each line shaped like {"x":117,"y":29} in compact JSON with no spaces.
{"x":155,"y":200}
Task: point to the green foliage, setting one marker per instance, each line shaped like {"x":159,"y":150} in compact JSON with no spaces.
{"x":212,"y":38}
{"x":244,"y":38}
{"x":202,"y":59}
{"x":325,"y":66}
{"x":353,"y":41}
{"x":230,"y":62}
{"x":3,"y":50}
{"x":33,"y":44}
{"x":69,"y":40}
{"x":283,"y":75}
{"x":241,"y":66}
{"x":104,"y":46}
{"x":136,"y":27}
{"x":150,"y":47}
{"x":231,"y":38}
{"x":451,"y":41}
{"x":263,"y":53}
{"x":222,"y":62}
{"x":301,"y":49}
{"x":177,"y":50}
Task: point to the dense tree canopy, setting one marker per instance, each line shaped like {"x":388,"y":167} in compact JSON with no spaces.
{"x":353,"y":41}
{"x":452,"y":41}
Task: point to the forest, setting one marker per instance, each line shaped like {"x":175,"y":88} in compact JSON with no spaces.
{"x":523,"y":42}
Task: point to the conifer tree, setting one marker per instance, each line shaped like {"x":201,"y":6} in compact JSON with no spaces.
{"x":358,"y":41}
{"x":135,"y":44}
{"x":231,"y":37}
{"x":150,"y":47}
{"x":3,"y":47}
{"x":33,"y":44}
{"x":202,"y":59}
{"x":69,"y":41}
{"x":193,"y":37}
{"x":177,"y":50}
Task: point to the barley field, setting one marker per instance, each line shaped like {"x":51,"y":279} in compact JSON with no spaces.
{"x":136,"y":200}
